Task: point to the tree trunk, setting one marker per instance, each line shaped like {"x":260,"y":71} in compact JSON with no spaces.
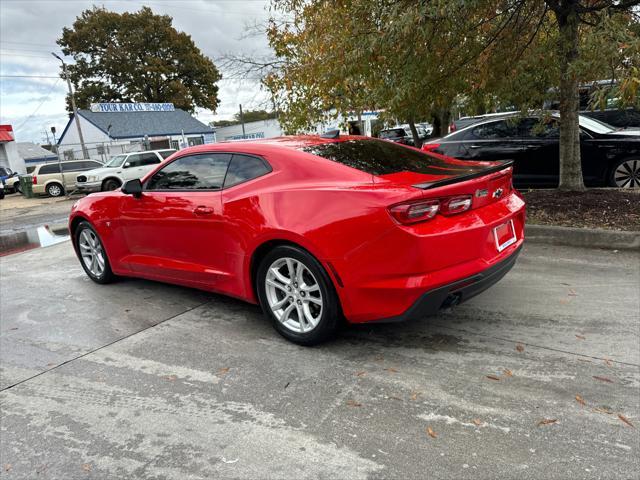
{"x":417,"y":141}
{"x":570,"y":163}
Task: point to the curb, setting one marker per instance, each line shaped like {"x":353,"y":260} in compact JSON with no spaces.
{"x":583,"y":237}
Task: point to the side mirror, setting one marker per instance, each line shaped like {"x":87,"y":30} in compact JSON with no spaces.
{"x":133,"y":187}
{"x":126,"y":165}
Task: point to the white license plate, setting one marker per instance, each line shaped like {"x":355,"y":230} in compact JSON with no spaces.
{"x":504,"y":235}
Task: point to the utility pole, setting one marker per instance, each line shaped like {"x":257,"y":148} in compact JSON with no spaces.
{"x":85,"y":153}
{"x":242,"y":122}
{"x":55,"y":142}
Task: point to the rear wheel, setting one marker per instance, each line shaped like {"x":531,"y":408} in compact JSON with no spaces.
{"x":297,"y":295}
{"x":626,"y":174}
{"x":110,"y":185}
{"x":91,"y":253}
{"x":55,"y":190}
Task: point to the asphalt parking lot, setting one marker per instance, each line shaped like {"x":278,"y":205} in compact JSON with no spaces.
{"x":535,"y":378}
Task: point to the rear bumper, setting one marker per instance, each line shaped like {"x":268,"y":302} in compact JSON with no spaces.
{"x":456,"y":292}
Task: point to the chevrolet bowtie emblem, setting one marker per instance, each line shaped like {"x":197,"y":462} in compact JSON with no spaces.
{"x":497,"y":193}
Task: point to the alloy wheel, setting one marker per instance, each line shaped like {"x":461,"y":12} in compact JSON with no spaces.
{"x":294,"y":295}
{"x":627,"y":174}
{"x":91,"y":252}
{"x":54,"y":190}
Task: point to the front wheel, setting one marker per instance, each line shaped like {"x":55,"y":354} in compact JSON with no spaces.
{"x":110,"y":185}
{"x":626,"y":174}
{"x":91,"y":253}
{"x":297,"y":295}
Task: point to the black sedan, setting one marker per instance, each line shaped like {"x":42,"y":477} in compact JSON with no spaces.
{"x":610,"y":157}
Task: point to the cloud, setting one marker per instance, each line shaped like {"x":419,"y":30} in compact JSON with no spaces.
{"x":29,"y":29}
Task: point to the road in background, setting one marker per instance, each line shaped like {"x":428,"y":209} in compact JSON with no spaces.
{"x":535,"y":378}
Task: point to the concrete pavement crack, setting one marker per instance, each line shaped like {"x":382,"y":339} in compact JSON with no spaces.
{"x":66,"y":362}
{"x":533,"y":345}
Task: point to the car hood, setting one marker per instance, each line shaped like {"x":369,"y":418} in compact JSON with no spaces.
{"x":99,"y":171}
{"x":629,"y":132}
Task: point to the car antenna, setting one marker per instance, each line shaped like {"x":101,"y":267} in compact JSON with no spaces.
{"x":331,"y":134}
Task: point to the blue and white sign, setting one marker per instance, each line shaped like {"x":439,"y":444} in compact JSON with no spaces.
{"x":132,"y":107}
{"x":248,"y":136}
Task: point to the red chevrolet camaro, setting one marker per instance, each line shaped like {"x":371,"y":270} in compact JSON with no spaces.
{"x":312,"y":228}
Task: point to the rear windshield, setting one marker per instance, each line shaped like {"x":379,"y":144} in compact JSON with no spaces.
{"x":378,"y":157}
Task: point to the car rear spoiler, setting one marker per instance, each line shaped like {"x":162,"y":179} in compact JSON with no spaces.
{"x":462,"y":178}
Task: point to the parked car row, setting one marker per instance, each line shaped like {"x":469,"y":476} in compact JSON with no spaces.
{"x":402,"y":134}
{"x":89,"y":175}
{"x":610,"y":157}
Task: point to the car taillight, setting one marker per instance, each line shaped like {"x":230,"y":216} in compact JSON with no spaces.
{"x":454,"y":205}
{"x":414,"y":212}
{"x":35,"y":180}
{"x":429,"y":147}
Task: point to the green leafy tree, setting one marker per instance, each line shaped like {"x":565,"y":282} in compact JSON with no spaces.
{"x":420,"y":59}
{"x":248,"y":116}
{"x":137,"y":57}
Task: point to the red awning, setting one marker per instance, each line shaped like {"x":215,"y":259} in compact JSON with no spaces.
{"x":5,"y":136}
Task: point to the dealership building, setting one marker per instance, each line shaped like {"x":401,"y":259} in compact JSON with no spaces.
{"x":112,"y":128}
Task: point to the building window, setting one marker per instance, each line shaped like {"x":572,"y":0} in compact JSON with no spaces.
{"x":194,"y":141}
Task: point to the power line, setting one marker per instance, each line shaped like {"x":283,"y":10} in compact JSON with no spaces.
{"x":40,"y":105}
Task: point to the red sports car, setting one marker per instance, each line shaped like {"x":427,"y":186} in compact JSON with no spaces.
{"x":313,"y":228}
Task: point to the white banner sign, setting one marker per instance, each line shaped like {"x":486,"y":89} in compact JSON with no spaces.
{"x":132,"y":107}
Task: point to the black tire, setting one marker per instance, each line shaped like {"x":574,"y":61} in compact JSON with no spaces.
{"x":55,"y":190}
{"x":625,"y":173}
{"x":110,"y":185}
{"x":107,"y":275}
{"x":330,"y":315}
{"x":16,"y":187}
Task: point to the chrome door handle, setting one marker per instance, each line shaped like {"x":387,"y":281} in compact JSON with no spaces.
{"x":202,"y":210}
{"x":475,"y":146}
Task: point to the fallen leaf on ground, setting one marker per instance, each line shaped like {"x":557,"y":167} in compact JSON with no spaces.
{"x":626,"y":420}
{"x":547,"y":421}
{"x":584,"y":360}
{"x":391,"y":369}
{"x":581,"y":337}
{"x":493,"y":377}
{"x":414,"y":395}
{"x":223,"y":371}
{"x":353,"y":403}
{"x":395,"y":398}
{"x":580,"y":400}
{"x":13,"y":328}
{"x":520,"y":347}
{"x":603,"y":379}
{"x":608,"y":362}
{"x":477,"y":421}
{"x":572,"y":293}
{"x":7,"y":467}
{"x":50,"y":364}
{"x":171,"y":378}
{"x":603,"y":410}
{"x":431,"y":433}
{"x":361,"y":374}
{"x":508,"y":372}
{"x":86,"y":467}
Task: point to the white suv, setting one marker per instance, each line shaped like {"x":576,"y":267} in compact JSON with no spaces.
{"x":120,"y":169}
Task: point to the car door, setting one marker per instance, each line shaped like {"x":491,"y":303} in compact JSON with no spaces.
{"x":173,"y":229}
{"x":494,"y":140}
{"x":539,"y":161}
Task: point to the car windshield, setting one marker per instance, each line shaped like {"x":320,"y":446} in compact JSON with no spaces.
{"x":115,"y":161}
{"x":595,"y":125}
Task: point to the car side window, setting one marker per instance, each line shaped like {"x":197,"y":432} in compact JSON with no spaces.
{"x":72,"y":166}
{"x":133,"y":160}
{"x":48,"y":169}
{"x":495,"y":130}
{"x":166,"y":153}
{"x":194,"y":172}
{"x":148,"y":159}
{"x":243,"y":168}
{"x":538,"y":128}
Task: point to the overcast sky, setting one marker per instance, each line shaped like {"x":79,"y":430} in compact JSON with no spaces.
{"x":29,"y":29}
